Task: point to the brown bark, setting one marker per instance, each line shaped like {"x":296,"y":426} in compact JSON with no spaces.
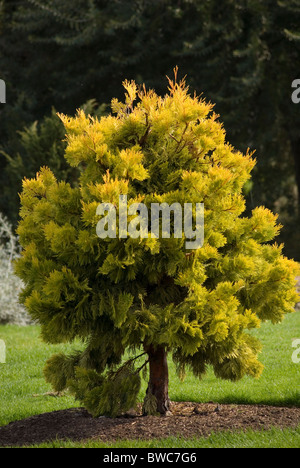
{"x":158,"y":379}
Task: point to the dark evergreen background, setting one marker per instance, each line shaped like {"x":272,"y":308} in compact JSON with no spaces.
{"x":243,"y":55}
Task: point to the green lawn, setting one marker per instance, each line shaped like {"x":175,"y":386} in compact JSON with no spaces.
{"x":22,"y":386}
{"x":274,"y":438}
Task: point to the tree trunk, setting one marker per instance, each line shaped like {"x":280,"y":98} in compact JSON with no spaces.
{"x":158,"y":386}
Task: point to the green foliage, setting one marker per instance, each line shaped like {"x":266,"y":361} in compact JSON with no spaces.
{"x":41,"y":143}
{"x":118,"y":294}
{"x":150,"y":404}
{"x":60,"y":369}
{"x":109,"y":395}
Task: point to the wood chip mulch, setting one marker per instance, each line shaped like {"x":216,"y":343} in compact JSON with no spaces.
{"x":188,"y":420}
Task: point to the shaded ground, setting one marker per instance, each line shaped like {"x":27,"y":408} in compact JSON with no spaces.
{"x":188,"y":420}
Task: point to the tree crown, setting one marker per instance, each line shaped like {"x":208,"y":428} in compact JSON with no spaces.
{"x":118,"y":294}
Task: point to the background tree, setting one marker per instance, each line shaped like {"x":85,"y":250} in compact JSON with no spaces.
{"x":243,"y":55}
{"x":247,"y":60}
{"x":10,"y":309}
{"x":149,"y":296}
{"x":41,"y":143}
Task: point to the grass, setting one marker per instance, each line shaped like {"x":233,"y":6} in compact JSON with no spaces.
{"x":277,"y":438}
{"x":23,"y":390}
{"x":21,"y":377}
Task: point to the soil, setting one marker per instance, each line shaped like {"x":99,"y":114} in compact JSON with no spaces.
{"x":188,"y":419}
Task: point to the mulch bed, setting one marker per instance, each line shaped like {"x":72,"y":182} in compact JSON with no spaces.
{"x":188,"y":420}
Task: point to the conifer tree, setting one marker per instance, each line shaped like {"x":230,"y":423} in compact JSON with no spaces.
{"x":135,"y":301}
{"x":40,"y":143}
